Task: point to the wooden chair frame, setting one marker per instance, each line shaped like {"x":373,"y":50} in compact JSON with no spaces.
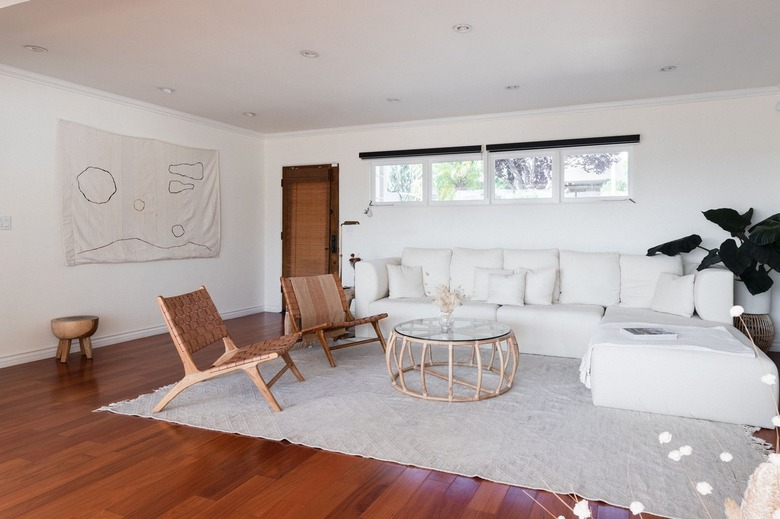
{"x":194,"y":323}
{"x":294,"y":310}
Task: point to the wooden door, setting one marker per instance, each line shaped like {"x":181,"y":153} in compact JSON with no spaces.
{"x":310,"y":215}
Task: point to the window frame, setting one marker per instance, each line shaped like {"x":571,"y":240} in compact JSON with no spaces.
{"x":398,"y":161}
{"x":585,"y":150}
{"x":457,"y":158}
{"x":427,"y":179}
{"x":488,"y":159}
{"x":555,"y":190}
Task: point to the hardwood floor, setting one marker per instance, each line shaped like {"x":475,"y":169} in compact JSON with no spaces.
{"x":60,"y":459}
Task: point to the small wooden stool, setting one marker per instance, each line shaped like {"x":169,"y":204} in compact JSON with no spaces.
{"x":79,"y":327}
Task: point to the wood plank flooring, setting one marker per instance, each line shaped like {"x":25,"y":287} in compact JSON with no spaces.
{"x":60,"y":459}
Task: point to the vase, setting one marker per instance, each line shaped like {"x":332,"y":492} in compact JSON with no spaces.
{"x":445,"y":321}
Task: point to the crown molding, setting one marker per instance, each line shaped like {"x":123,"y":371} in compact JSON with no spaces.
{"x":74,"y":88}
{"x":573,"y":109}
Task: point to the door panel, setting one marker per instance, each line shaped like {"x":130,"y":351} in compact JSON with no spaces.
{"x":309,"y":220}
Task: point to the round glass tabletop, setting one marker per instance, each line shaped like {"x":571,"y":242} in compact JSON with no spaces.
{"x":463,"y":329}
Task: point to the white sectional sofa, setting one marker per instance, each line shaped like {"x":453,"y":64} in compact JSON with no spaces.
{"x":564,"y":303}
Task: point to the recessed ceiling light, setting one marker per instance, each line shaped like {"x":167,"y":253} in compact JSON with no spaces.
{"x":166,"y":90}
{"x":250,"y":114}
{"x":393,"y":100}
{"x":512,"y":87}
{"x":667,"y":68}
{"x":310,"y":54}
{"x":36,"y":48}
{"x":462,"y":27}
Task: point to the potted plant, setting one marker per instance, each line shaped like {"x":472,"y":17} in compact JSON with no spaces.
{"x":750,"y":253}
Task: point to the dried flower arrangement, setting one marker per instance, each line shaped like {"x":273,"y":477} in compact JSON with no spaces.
{"x":448,"y":299}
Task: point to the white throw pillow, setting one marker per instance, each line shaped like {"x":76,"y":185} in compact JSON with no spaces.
{"x":481,"y":276}
{"x":539,"y":286}
{"x":639,"y":275}
{"x":590,"y":277}
{"x":534,"y":259}
{"x":435,"y":264}
{"x":405,"y":281}
{"x":674,"y":294}
{"x":506,"y":289}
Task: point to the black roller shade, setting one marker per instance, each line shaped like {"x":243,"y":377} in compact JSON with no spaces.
{"x":420,"y":152}
{"x":564,"y":143}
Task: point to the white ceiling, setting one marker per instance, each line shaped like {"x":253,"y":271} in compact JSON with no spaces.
{"x":226,"y":57}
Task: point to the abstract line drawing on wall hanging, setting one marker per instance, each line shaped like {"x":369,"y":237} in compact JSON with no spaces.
{"x":131,"y":199}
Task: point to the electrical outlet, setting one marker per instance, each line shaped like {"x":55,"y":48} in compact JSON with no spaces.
{"x":5,"y":223}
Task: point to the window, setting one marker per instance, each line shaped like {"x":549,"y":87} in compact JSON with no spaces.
{"x":595,"y":173}
{"x":457,"y":180}
{"x":566,"y":174}
{"x":436,"y":179}
{"x":522,"y":176}
{"x":568,"y":170}
{"x":397,"y":182}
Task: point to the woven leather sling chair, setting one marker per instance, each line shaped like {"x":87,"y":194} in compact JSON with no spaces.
{"x":317,"y":306}
{"x":194,"y":323}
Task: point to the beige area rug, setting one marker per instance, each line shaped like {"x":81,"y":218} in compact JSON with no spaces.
{"x":542,"y":434}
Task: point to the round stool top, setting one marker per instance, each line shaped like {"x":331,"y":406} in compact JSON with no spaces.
{"x":74,"y":326}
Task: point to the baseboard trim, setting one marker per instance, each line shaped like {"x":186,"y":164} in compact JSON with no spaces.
{"x":107,"y":340}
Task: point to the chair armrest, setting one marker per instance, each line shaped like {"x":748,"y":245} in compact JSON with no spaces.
{"x":371,"y":282}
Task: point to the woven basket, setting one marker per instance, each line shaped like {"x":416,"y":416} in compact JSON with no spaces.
{"x":760,"y":327}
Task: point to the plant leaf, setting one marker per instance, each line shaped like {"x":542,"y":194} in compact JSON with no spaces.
{"x":712,"y":258}
{"x":766,"y":254}
{"x":734,"y":259}
{"x":675,"y":247}
{"x":757,"y":281}
{"x":766,"y":231}
{"x":729,"y":220}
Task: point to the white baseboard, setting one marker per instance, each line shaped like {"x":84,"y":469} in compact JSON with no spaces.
{"x":107,"y":340}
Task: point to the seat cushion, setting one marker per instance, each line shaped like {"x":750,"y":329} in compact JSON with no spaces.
{"x":559,"y":330}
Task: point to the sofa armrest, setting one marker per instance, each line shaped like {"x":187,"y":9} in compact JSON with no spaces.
{"x":371,"y":282}
{"x":713,"y":294}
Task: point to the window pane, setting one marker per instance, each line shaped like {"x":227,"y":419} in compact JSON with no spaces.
{"x":595,"y":175}
{"x":398,"y":183}
{"x":458,"y":180}
{"x":518,"y":178}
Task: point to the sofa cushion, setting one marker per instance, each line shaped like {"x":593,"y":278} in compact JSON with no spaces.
{"x":465,"y":262}
{"x":405,"y":281}
{"x":435,"y":265}
{"x":559,"y":330}
{"x":540,"y":286}
{"x":534,"y":260}
{"x":481,"y":278}
{"x":590,"y":277}
{"x":674,"y":294}
{"x":639,"y":275}
{"x":506,"y":289}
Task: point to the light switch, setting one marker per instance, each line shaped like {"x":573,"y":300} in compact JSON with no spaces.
{"x":5,"y":223}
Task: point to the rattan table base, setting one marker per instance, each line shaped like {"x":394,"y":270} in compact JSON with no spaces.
{"x":497,"y":356}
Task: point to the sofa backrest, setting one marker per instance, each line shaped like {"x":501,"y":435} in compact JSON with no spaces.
{"x":590,"y":277}
{"x":435,"y":265}
{"x":639,"y":277}
{"x":464,"y":265}
{"x":601,"y":278}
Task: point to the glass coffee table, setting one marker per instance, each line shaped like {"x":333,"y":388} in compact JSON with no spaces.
{"x":476,"y":360}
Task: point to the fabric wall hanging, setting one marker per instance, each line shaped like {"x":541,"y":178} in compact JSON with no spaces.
{"x":128,"y":199}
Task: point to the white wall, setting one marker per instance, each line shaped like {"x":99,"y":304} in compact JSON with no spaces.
{"x":35,"y":283}
{"x":695,"y":154}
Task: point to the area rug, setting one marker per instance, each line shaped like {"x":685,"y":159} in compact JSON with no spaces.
{"x":543,"y":434}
